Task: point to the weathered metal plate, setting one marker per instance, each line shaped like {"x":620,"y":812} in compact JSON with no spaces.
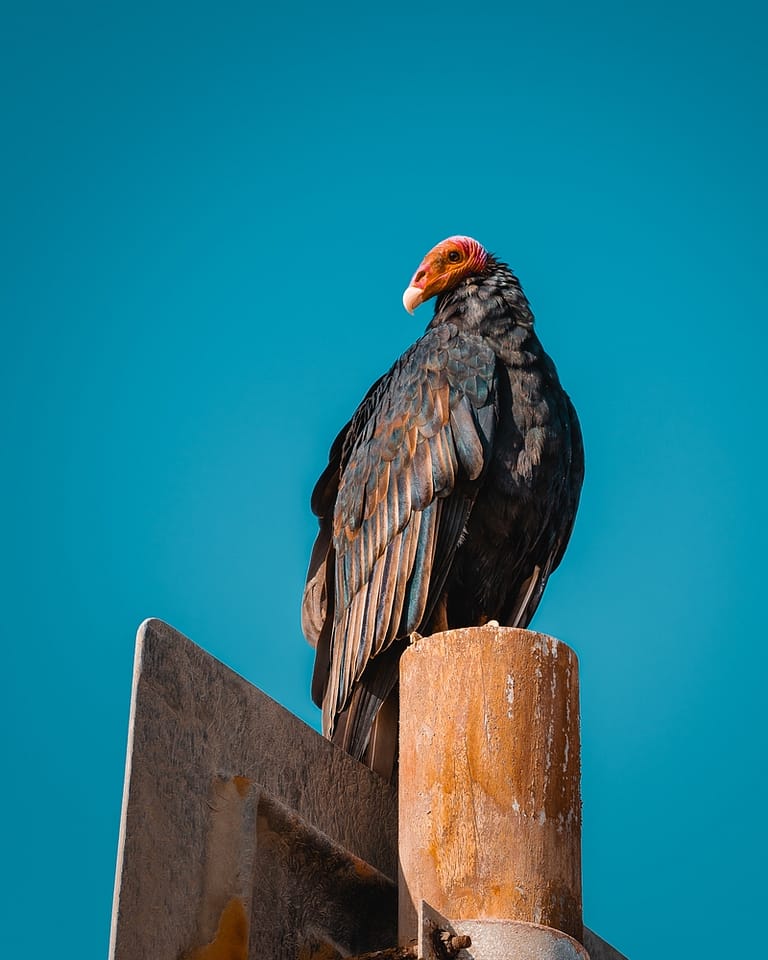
{"x":244,"y":833}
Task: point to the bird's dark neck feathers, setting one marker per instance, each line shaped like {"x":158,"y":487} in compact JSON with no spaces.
{"x":491,"y":303}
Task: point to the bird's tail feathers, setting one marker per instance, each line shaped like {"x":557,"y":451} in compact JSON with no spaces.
{"x":528,"y":598}
{"x":354,"y":725}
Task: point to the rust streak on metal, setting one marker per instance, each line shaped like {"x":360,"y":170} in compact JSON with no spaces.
{"x":489,"y":779}
{"x":231,"y":940}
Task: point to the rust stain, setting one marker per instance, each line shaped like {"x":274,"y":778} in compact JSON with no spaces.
{"x":242,"y":785}
{"x":231,"y":940}
{"x":316,"y":950}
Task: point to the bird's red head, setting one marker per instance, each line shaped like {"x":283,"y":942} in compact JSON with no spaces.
{"x":443,"y":268}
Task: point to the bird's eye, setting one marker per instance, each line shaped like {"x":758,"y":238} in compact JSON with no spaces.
{"x":454,"y":256}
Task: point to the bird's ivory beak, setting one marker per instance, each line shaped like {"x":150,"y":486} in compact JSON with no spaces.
{"x":412,"y":297}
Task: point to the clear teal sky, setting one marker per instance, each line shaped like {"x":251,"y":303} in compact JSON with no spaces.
{"x":208,"y":214}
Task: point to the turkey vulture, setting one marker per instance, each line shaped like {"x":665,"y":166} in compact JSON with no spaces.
{"x":448,"y":498}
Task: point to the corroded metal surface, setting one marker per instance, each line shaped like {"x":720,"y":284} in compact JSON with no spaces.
{"x":490,"y":805}
{"x":304,"y":883}
{"x":235,"y":808}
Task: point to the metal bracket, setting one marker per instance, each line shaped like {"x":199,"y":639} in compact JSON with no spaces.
{"x":443,"y":939}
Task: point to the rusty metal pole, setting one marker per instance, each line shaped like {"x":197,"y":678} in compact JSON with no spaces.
{"x":489,"y":783}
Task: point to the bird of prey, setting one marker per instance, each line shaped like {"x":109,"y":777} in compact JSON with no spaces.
{"x":449,"y":497}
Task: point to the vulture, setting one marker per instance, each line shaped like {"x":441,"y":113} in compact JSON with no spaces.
{"x":448,"y":499}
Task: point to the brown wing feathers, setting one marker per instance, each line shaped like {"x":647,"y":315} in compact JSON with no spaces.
{"x":408,"y":461}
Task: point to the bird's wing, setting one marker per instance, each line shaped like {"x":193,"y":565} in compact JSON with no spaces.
{"x":574,"y":479}
{"x":408,"y":474}
{"x":317,"y":602}
{"x":314,"y":606}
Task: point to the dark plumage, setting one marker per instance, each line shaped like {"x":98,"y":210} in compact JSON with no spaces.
{"x":448,"y":498}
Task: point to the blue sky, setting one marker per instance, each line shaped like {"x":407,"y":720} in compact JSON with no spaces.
{"x":209,"y":213}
